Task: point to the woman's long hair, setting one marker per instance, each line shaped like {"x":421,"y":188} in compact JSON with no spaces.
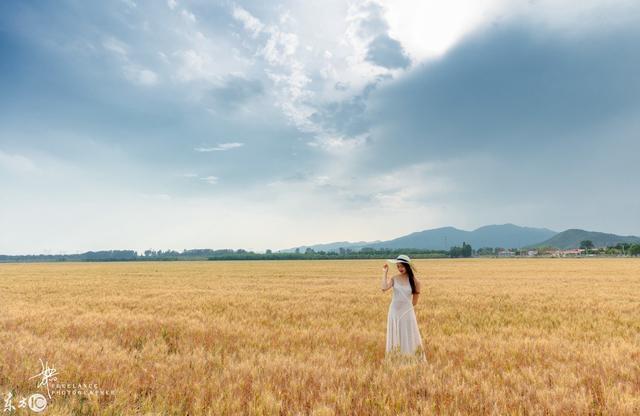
{"x":412,"y":282}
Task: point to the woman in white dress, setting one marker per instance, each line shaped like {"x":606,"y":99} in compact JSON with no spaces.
{"x":403,"y":334}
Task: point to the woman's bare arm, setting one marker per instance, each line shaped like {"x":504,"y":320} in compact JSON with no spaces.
{"x":387,"y":282}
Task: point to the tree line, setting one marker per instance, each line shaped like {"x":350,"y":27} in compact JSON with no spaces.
{"x":625,"y":249}
{"x":241,"y":254}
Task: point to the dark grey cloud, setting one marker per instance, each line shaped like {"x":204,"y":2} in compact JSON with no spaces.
{"x":346,"y":116}
{"x":511,"y":89}
{"x":234,"y":92}
{"x":382,"y":50}
{"x":527,"y":124}
{"x":387,"y":52}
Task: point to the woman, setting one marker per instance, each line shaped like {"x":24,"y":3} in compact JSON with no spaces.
{"x":403,"y":334}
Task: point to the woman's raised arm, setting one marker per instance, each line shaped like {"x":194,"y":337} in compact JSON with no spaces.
{"x":387,"y":282}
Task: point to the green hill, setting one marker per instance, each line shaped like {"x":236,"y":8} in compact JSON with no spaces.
{"x":571,"y":239}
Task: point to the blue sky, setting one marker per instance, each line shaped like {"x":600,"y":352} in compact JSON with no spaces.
{"x":191,"y":124}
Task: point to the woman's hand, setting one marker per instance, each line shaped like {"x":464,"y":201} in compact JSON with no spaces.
{"x":386,"y":282}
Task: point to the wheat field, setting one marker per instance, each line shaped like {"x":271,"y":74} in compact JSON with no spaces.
{"x":502,"y":337}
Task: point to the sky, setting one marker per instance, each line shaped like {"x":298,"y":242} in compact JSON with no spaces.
{"x":130,"y":124}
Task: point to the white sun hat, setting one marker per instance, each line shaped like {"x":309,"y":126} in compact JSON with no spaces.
{"x":403,"y":258}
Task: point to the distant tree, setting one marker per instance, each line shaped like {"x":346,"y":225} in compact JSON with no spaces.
{"x":297,"y":250}
{"x":634,"y":250}
{"x":612,"y":250}
{"x":624,"y":247}
{"x":484,"y":251}
{"x":268,"y":251}
{"x":309,"y":250}
{"x":466,"y":249}
{"x":586,"y":245}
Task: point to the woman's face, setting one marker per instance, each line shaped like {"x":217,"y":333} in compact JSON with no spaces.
{"x":401,"y":267}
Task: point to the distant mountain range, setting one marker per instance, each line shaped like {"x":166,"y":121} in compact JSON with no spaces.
{"x":333,"y":246}
{"x":502,"y":235}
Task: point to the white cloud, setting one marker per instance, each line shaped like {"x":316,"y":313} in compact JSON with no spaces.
{"x":130,"y":3}
{"x":285,"y":69}
{"x":172,"y":4}
{"x":194,"y":65}
{"x":210,"y":179}
{"x":16,"y":164}
{"x":410,"y":186}
{"x":337,"y":144}
{"x":220,"y":147}
{"x":321,"y":180}
{"x":305,"y":68}
{"x":115,"y":46}
{"x":139,"y":75}
{"x":280,"y":47}
{"x":163,"y":57}
{"x":132,"y":71}
{"x":428,"y":28}
{"x":207,"y":58}
{"x":187,"y":15}
{"x":250,"y":23}
{"x":363,"y":23}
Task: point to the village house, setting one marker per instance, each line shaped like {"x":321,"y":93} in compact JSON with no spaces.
{"x":574,"y":252}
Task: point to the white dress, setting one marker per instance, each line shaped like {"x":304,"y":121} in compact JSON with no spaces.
{"x":403,"y":334}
